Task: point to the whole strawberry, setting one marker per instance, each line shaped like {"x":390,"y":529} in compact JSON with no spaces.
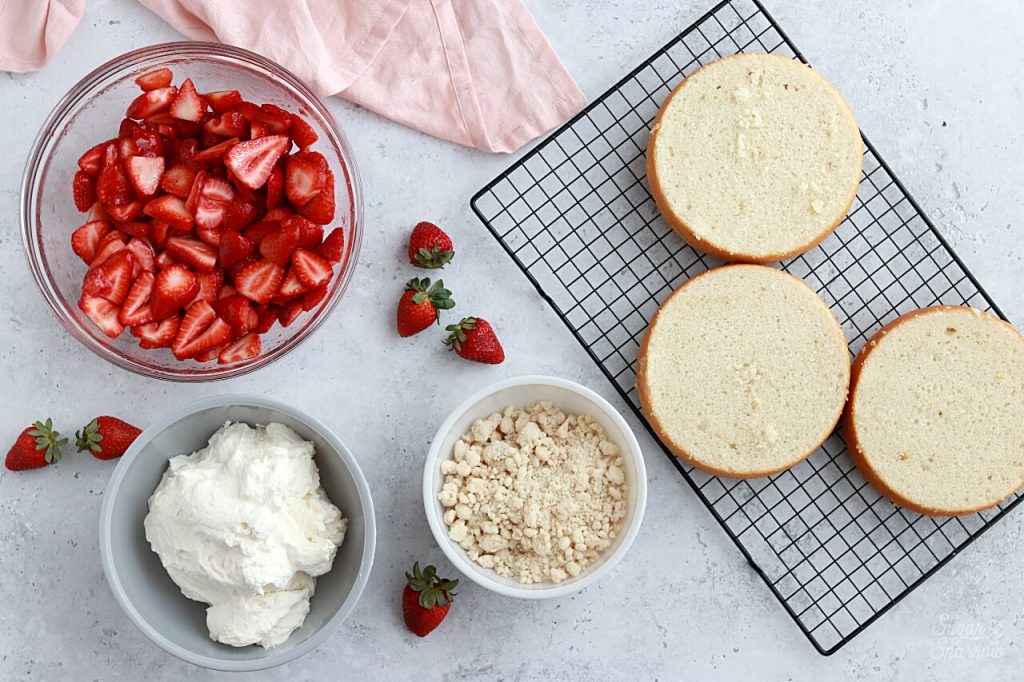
{"x":426,"y":599}
{"x":106,"y":437}
{"x":474,"y":339}
{"x":429,"y":246}
{"x":37,"y":446}
{"x":421,"y":304}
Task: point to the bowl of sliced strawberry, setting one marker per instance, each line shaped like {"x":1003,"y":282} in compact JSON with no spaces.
{"x":191,"y":211}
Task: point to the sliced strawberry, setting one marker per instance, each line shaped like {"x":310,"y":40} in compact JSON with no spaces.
{"x":171,"y":210}
{"x":113,"y":187}
{"x":289,"y":311}
{"x":217,"y":333}
{"x":276,"y":119}
{"x":234,"y":248}
{"x":291,"y":286}
{"x":257,"y":231}
{"x":126,"y":128}
{"x":125,"y":148}
{"x":125,"y":212}
{"x":135,"y":228}
{"x":144,"y":172}
{"x":268,"y":317}
{"x":210,"y":354}
{"x":210,"y":235}
{"x":110,"y":154}
{"x":185,"y":150}
{"x":199,"y":316}
{"x":103,"y":314}
{"x":158,"y":334}
{"x":230,"y":124}
{"x":85,"y":239}
{"x":312,"y":298}
{"x":275,"y":187}
{"x":311,"y":269}
{"x":187,"y":104}
{"x":234,"y":270}
{"x":237,"y":311}
{"x":108,"y":245}
{"x":199,"y":255}
{"x":97,"y":212}
{"x":148,"y":141}
{"x":303,"y":179}
{"x":320,"y":208}
{"x":92,"y":161}
{"x":243,"y":349}
{"x":279,"y":213}
{"x":302,"y":133}
{"x":209,"y":285}
{"x":135,"y":310}
{"x":240,"y":213}
{"x":258,"y":129}
{"x":158,"y":233}
{"x":310,"y":234}
{"x":174,"y":286}
{"x":153,"y":80}
{"x":145,"y":259}
{"x":253,"y":161}
{"x":259,"y":281}
{"x":214,"y":154}
{"x":227,"y":290}
{"x":333,"y":245}
{"x":83,"y":189}
{"x":164,"y":260}
{"x":112,"y":279}
{"x":223,"y":101}
{"x":177,"y":180}
{"x":278,"y":245}
{"x":153,"y":102}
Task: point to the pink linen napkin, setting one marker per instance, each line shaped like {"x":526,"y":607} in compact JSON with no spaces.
{"x":31,"y":31}
{"x":477,"y":72}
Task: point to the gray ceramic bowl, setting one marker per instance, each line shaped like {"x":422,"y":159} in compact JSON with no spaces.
{"x":149,"y":596}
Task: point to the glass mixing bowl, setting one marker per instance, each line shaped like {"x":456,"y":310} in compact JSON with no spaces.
{"x":90,"y":113}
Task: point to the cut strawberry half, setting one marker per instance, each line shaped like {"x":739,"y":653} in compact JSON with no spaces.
{"x":103,"y":314}
{"x":187,"y":104}
{"x":150,"y":103}
{"x":112,"y":279}
{"x":278,"y":245}
{"x":185,"y":150}
{"x":135,"y":310}
{"x":92,"y":161}
{"x":333,"y":245}
{"x":237,"y":311}
{"x":83,"y":189}
{"x":174,"y":287}
{"x":257,"y":231}
{"x":259,"y":281}
{"x":157,"y":334}
{"x":253,"y":161}
{"x":192,"y":336}
{"x":153,"y":80}
{"x":320,"y":208}
{"x":145,"y":172}
{"x":234,"y":248}
{"x":214,"y":154}
{"x":199,"y":255}
{"x":291,"y":286}
{"x":135,"y":228}
{"x":171,"y":210}
{"x":125,"y":212}
{"x":147,"y":141}
{"x":304,"y":179}
{"x":302,"y":133}
{"x":164,"y":260}
{"x":209,"y":285}
{"x":278,"y":214}
{"x":145,"y":259}
{"x":268,"y":317}
{"x":275,"y":187}
{"x":158,"y":233}
{"x":312,"y":298}
{"x":108,"y":245}
{"x":229,"y":124}
{"x":178,"y":179}
{"x":310,"y":234}
{"x":113,"y":187}
{"x":245,"y":348}
{"x":223,"y":101}
{"x":288,"y":312}
{"x":239,"y":214}
{"x":85,"y":239}
{"x":311,"y":269}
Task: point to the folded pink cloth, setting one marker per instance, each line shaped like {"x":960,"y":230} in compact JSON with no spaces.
{"x":477,"y":72}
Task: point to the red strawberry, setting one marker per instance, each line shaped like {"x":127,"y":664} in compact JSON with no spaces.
{"x":97,"y":212}
{"x":145,"y":173}
{"x":278,"y":245}
{"x":429,"y":246}
{"x":311,"y":269}
{"x":223,"y":101}
{"x":199,"y":255}
{"x":310,"y":234}
{"x":177,"y":180}
{"x":157,"y":334}
{"x":112,"y":279}
{"x":85,"y":239}
{"x":268,"y":316}
{"x":83,"y":188}
{"x":150,"y":103}
{"x":253,"y":161}
{"x":92,"y":161}
{"x":209,"y":285}
{"x":291,"y":286}
{"x":171,"y":210}
{"x":275,"y":187}
{"x":288,"y":312}
{"x":106,"y":437}
{"x":214,"y":154}
{"x":145,"y":260}
{"x":134,"y":228}
{"x":108,"y":245}
{"x":426,"y":599}
{"x":240,"y":213}
{"x":158,"y":233}
{"x":229,"y":124}
{"x":333,"y":246}
{"x":302,"y":133}
{"x":244,"y":348}
{"x":259,"y":281}
{"x":113,"y":187}
{"x":135,"y":310}
{"x":275,"y":118}
{"x":257,"y":231}
{"x":184,"y":150}
{"x":125,"y":212}
{"x":303,"y":179}
{"x":37,"y":446}
{"x":474,"y":339}
{"x":216,"y":334}
{"x":311,"y":299}
{"x":147,"y":141}
{"x":234,"y":248}
{"x":278,"y":214}
{"x":237,"y":311}
{"x":197,"y":318}
{"x":152,"y":80}
{"x":174,"y":287}
{"x":187,"y":104}
{"x":103,"y":314}
{"x":320,"y":209}
{"x":421,"y":304}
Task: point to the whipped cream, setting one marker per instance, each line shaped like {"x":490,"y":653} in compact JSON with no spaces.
{"x":245,"y":526}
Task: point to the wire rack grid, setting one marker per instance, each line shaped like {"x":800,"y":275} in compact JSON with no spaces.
{"x":577,"y":217}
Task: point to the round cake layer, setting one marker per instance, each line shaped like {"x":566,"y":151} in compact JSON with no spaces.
{"x":754,"y":158}
{"x":936,"y":413}
{"x":743,"y":371}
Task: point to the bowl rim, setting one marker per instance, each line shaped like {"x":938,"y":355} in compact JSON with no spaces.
{"x":49,"y":129}
{"x":328,"y":627}
{"x":468,"y":569}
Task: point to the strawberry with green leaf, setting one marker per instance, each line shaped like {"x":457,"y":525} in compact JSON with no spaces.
{"x":474,"y":339}
{"x":421,"y":305}
{"x":430,"y":247}
{"x":426,"y":599}
{"x":106,"y":437}
{"x":36,"y":447}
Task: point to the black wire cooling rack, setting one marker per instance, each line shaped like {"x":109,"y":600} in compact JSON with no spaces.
{"x":576,"y":215}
